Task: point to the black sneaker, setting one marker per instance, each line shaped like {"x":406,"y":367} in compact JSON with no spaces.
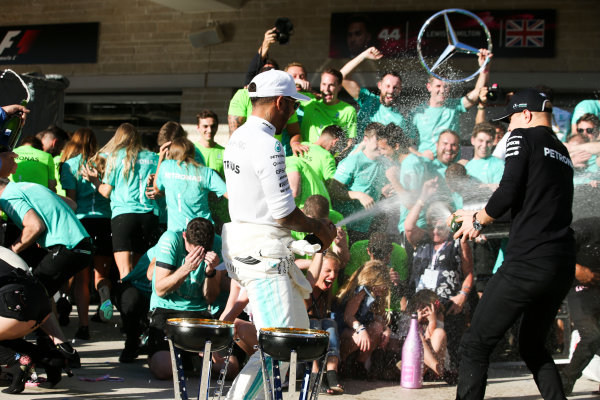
{"x":64,"y":308}
{"x":83,"y":333}
{"x":70,"y":354}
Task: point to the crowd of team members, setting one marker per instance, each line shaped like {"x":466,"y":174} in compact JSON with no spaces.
{"x":153,"y":206}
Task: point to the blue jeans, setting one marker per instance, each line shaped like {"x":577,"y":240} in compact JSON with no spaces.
{"x":329,"y":325}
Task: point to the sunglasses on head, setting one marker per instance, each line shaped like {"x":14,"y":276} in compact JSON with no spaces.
{"x":586,"y":130}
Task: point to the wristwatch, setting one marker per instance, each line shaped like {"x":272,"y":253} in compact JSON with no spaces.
{"x":476,"y":224}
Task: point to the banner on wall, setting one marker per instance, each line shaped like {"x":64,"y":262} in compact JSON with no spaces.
{"x":49,"y":44}
{"x":515,"y":33}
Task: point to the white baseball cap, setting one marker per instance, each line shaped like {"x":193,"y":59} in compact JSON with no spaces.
{"x":274,"y":83}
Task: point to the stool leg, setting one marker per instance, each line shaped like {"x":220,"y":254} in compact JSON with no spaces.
{"x":223,"y":374}
{"x":205,"y":375}
{"x":317,"y":384}
{"x":306,"y":382}
{"x":266,"y":380}
{"x":292,"y":370}
{"x":179,"y":386}
{"x":277,"y":381}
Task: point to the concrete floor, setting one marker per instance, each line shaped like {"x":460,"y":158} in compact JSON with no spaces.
{"x":100,"y":357}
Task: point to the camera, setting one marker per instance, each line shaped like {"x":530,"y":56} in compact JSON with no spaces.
{"x":283,"y":30}
{"x":496,"y":95}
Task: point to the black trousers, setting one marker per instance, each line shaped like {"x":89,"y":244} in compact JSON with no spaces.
{"x":531,"y":288}
{"x":60,"y":264}
{"x":584,"y":307}
{"x":134,"y":306}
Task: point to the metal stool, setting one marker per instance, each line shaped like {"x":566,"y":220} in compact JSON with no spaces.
{"x":292,"y":345}
{"x":198,"y":335}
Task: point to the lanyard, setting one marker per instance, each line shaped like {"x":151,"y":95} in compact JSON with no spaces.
{"x":436,"y":255}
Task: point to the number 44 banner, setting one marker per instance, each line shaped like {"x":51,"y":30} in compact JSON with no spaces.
{"x":515,"y":33}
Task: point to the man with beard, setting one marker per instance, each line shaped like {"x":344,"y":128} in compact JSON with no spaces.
{"x":329,"y":110}
{"x":440,"y":112}
{"x":415,"y":171}
{"x":374,"y":108}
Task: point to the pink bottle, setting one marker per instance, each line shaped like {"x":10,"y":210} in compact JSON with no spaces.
{"x":412,"y":358}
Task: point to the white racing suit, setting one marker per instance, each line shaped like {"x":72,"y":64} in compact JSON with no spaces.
{"x":257,"y":256}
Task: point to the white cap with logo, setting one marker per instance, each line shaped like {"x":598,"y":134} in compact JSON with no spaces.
{"x":274,"y":83}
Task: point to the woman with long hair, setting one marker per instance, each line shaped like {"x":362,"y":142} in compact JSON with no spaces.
{"x":128,"y":166}
{"x":362,"y":316}
{"x":93,"y":211}
{"x":186,"y":184}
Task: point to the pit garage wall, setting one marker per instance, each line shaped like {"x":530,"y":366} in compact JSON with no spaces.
{"x":144,"y":46}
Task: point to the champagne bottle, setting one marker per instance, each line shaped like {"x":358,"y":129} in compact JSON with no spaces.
{"x":455,"y":225}
{"x":412,"y":358}
{"x":11,"y":130}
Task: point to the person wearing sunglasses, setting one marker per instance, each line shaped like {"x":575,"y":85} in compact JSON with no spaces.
{"x":589,"y":106}
{"x":588,"y":125}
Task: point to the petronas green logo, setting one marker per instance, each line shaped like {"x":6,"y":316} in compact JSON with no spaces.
{"x":277,"y":147}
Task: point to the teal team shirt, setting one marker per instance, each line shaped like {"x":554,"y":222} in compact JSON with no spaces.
{"x":90,"y":203}
{"x":360,"y":174}
{"x":170,"y":253}
{"x":138,"y":275}
{"x":186,"y":190}
{"x":414,"y":171}
{"x":371,"y":110}
{"x":588,"y":174}
{"x":129,"y":193}
{"x":585,"y":107}
{"x":426,"y":123}
{"x":62,"y":226}
{"x":486,"y":170}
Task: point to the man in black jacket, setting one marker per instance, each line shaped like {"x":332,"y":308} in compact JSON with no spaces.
{"x":539,"y":265}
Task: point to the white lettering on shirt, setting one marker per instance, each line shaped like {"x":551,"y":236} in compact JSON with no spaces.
{"x":557,"y":156}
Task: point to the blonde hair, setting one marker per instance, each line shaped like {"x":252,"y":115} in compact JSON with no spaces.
{"x":372,"y":273}
{"x":183,"y":150}
{"x":82,"y":142}
{"x":126,"y":137}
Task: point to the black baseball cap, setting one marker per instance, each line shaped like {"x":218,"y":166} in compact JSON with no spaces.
{"x":526,"y":99}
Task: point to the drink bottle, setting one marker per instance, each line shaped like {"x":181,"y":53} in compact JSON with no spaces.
{"x":10,"y":133}
{"x":454,"y":224}
{"x":411,"y":375}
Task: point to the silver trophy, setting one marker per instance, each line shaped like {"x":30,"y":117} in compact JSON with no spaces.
{"x":454,"y":45}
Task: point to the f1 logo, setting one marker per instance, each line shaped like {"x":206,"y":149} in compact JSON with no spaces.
{"x":7,"y":42}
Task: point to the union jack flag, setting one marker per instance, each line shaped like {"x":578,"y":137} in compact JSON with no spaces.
{"x":524,"y":33}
